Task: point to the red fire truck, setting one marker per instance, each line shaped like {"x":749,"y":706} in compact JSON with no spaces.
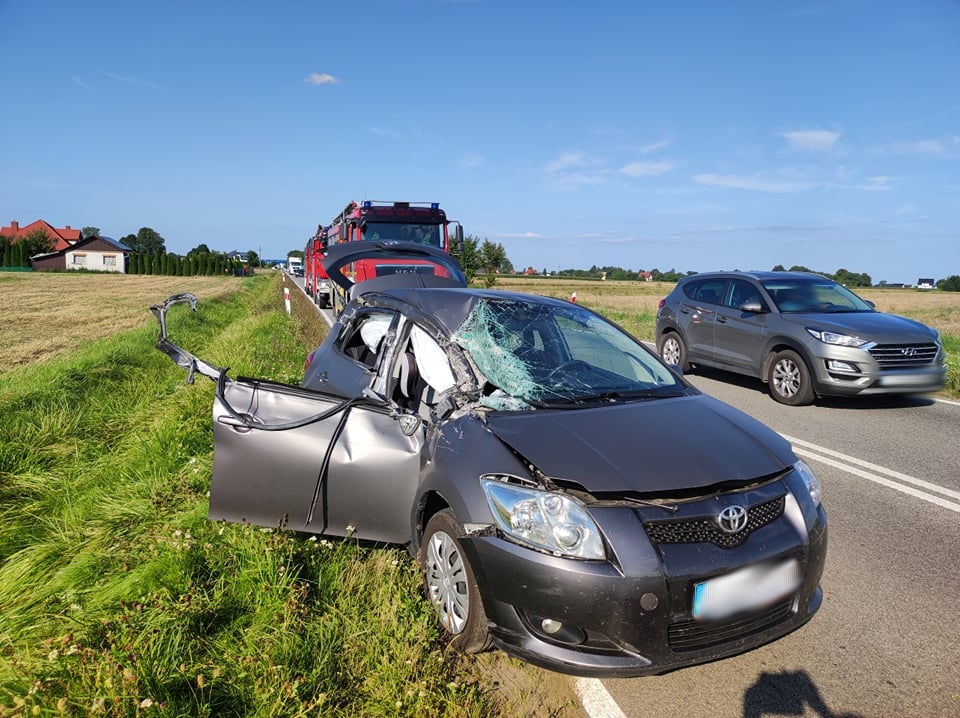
{"x":419,"y":222}
{"x":315,"y":279}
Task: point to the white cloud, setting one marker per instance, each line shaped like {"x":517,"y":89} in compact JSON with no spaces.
{"x":521,"y":235}
{"x":78,"y":81}
{"x":755,"y":183}
{"x":130,"y":80}
{"x":320,"y":78}
{"x":811,"y":140}
{"x":908,"y":208}
{"x":566,"y":161}
{"x":877,"y":184}
{"x":646,"y":169}
{"x":380,"y":132}
{"x":647,"y":149}
{"x":948,"y":147}
{"x":471,"y":160}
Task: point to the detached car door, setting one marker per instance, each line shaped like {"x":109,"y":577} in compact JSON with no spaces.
{"x":294,"y":458}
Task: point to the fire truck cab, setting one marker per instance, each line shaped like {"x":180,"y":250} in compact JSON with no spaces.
{"x":417,"y":222}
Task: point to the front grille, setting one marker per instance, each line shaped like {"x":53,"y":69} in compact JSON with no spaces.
{"x":691,"y":635}
{"x":904,"y":356}
{"x":704,"y":529}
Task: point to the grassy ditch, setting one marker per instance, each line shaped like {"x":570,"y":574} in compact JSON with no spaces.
{"x":119,"y":597}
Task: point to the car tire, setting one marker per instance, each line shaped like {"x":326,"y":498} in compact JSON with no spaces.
{"x":789,"y":379}
{"x":323,"y":302}
{"x":451,"y":586}
{"x":673,"y":351}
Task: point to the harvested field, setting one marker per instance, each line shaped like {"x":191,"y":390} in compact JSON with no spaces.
{"x":45,"y":315}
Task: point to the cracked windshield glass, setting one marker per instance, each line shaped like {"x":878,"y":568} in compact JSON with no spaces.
{"x":534,"y":355}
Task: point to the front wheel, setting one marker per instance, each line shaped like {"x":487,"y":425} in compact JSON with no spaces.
{"x":789,"y":379}
{"x":673,"y":351}
{"x":451,"y":586}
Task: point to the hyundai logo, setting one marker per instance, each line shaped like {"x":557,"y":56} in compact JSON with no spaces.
{"x":732,"y":519}
{"x":909,"y":351}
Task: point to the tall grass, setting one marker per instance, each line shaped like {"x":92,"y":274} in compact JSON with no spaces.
{"x":119,"y":597}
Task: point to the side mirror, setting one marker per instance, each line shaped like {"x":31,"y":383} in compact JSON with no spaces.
{"x":458,"y":238}
{"x":754,"y":307}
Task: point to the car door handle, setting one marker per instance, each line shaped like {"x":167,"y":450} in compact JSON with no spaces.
{"x":239,"y":425}
{"x":721,"y":319}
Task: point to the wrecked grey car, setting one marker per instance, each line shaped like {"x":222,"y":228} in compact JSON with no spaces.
{"x":570,"y":498}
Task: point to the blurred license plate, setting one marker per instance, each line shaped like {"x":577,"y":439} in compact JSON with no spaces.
{"x":744,"y":590}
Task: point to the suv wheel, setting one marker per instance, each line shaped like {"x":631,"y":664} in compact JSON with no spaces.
{"x":789,"y":379}
{"x":673,"y":351}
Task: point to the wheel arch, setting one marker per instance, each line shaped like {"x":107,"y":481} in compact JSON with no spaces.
{"x":778,"y":344}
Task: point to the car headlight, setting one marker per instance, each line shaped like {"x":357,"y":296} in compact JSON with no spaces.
{"x":809,"y":480}
{"x":843,"y":340}
{"x":545,"y":520}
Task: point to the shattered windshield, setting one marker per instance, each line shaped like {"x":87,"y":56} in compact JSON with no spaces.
{"x":542,"y":355}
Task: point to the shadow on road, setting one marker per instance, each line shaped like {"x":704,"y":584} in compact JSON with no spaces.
{"x":853,"y":403}
{"x":787,"y":694}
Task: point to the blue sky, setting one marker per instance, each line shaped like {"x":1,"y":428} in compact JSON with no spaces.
{"x":668,"y":135}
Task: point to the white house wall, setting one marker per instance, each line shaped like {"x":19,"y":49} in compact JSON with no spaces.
{"x":95,"y":261}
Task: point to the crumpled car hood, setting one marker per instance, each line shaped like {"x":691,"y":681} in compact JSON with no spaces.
{"x":875,"y":326}
{"x":648,"y":447}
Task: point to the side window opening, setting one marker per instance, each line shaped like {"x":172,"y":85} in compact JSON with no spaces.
{"x":365,"y":341}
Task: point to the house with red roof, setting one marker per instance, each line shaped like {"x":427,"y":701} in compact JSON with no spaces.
{"x":63,"y":238}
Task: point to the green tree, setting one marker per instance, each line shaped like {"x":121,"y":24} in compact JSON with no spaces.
{"x":199,"y":249}
{"x":88,"y":232}
{"x":146,"y":240}
{"x":493,"y":257}
{"x":469,"y":257}
{"x":950,"y":284}
{"x":851,"y":279}
{"x":253,"y":259}
{"x":35,"y":242}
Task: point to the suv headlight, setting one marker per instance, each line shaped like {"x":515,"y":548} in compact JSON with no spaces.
{"x":843,"y":340}
{"x":545,"y":520}
{"x":809,"y":480}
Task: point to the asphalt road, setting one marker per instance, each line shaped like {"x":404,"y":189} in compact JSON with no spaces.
{"x":886,"y":641}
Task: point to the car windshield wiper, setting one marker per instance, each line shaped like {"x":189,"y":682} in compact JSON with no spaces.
{"x":608,"y":397}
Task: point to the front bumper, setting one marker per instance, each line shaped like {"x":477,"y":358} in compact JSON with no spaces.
{"x":844,"y":371}
{"x":632,"y":616}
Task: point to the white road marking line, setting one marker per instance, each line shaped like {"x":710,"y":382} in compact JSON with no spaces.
{"x":596,"y":700}
{"x":850,"y":464}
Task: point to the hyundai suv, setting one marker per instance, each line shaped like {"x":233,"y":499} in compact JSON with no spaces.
{"x":803,"y":334}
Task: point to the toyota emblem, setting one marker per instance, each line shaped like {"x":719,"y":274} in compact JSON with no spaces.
{"x":732,"y":519}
